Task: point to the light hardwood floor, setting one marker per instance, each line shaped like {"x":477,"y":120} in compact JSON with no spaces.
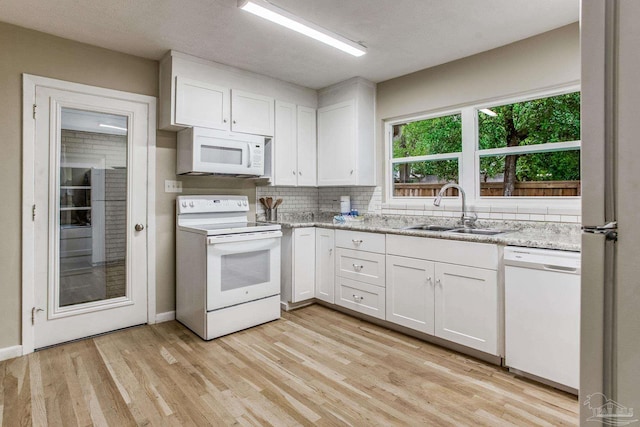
{"x":315,"y":366}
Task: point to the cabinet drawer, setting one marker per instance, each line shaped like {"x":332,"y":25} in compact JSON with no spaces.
{"x":362,"y":266}
{"x":361,"y":297}
{"x":370,"y":242}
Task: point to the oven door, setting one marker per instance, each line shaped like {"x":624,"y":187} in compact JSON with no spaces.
{"x":242,"y":268}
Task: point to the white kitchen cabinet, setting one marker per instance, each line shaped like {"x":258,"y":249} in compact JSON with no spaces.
{"x":252,"y":113}
{"x":294,"y":145}
{"x":325,"y":265}
{"x":284,"y":145}
{"x":307,"y":147}
{"x":346,"y":134}
{"x":466,"y":306}
{"x":298,"y":262}
{"x":201,"y":104}
{"x":460,"y":304}
{"x":361,"y":297}
{"x":410,"y":293}
{"x":362,"y":266}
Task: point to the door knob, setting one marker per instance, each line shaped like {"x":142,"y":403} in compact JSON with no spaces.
{"x":139,"y":227}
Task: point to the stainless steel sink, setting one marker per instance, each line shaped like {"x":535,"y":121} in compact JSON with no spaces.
{"x":481,"y":231}
{"x":430,"y":227}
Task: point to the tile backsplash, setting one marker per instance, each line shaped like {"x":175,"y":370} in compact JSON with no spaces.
{"x":368,"y":200}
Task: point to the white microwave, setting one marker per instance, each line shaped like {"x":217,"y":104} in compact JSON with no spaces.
{"x":208,"y":151}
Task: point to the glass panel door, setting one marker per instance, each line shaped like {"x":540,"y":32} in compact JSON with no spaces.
{"x":92,"y":207}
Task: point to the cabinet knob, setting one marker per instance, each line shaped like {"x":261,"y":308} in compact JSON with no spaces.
{"x":300,"y":173}
{"x":234,"y":122}
{"x":224,"y":120}
{"x":357,"y":298}
{"x":438,"y":283}
{"x":351,"y":173}
{"x":356,"y":242}
{"x":293,"y":172}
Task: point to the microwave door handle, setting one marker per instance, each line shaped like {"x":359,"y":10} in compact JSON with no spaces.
{"x":249,"y":155}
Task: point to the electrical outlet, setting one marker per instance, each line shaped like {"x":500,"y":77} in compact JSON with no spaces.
{"x":172,"y":186}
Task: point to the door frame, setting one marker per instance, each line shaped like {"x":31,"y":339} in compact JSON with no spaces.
{"x":29,"y":111}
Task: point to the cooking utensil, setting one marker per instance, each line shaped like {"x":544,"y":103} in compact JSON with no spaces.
{"x":263,"y":202}
{"x":278,"y":203}
{"x":269,"y":202}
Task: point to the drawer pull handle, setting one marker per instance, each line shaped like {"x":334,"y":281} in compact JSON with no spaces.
{"x":357,"y":298}
{"x":356,"y":241}
{"x":357,"y":267}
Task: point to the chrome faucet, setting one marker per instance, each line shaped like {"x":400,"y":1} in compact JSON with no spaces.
{"x":467,"y":220}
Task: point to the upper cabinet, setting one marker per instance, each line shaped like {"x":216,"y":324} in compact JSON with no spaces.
{"x":199,"y":93}
{"x":251,"y":113}
{"x":294,"y":145}
{"x":346,"y":134}
{"x":201,"y":104}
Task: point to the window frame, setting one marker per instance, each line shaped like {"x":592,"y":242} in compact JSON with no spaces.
{"x":469,"y":158}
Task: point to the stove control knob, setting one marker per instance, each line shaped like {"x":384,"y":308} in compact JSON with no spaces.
{"x":239,"y":203}
{"x":191,"y":204}
{"x":244,"y":203}
{"x":184,"y":204}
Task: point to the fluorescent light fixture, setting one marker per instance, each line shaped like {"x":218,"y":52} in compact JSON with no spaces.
{"x":102,"y":125}
{"x":273,"y":13}
{"x":488,"y":112}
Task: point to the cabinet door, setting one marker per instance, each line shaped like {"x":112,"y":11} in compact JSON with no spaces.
{"x":307,"y":165}
{"x":251,"y":113}
{"x":304,"y":264}
{"x":337,"y":144}
{"x":284,"y":144}
{"x":466,"y":306}
{"x":201,"y":104}
{"x":325,"y":265}
{"x":410,"y":293}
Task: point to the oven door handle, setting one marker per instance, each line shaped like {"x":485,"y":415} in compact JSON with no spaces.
{"x":242,"y":247}
{"x":243,"y":237}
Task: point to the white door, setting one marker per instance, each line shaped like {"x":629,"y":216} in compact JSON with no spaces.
{"x":410,"y":293}
{"x":306,"y":138}
{"x":251,"y":113}
{"x":304,"y":264}
{"x":325,"y":265}
{"x":90,"y":215}
{"x":466,"y":306}
{"x":202,"y":104}
{"x":284,"y":144}
{"x":337,"y":144}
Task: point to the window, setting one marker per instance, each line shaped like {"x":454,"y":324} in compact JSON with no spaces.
{"x":426,"y":155}
{"x":526,"y":148}
{"x":530,"y":148}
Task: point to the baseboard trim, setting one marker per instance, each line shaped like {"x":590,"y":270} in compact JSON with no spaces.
{"x":166,"y":316}
{"x":10,"y":352}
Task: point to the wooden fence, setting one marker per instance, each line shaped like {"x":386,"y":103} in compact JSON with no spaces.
{"x":489,"y":189}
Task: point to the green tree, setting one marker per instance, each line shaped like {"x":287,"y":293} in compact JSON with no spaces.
{"x":540,"y":121}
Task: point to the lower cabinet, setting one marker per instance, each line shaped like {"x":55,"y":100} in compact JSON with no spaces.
{"x":361,"y":297}
{"x":298,"y":264}
{"x":410,"y":293}
{"x":455,"y":302}
{"x":466,"y":306}
{"x":325,"y":265}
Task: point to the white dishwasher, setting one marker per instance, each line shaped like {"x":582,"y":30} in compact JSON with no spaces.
{"x":542,"y":313}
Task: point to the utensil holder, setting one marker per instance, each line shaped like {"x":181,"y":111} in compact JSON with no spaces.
{"x":268,"y":213}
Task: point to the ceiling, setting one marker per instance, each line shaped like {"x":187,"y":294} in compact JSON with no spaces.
{"x":402,"y":36}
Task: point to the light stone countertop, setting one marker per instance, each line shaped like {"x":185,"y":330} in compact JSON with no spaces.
{"x":544,"y":235}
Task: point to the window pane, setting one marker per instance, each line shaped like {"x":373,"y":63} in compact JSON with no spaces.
{"x":533,"y":175}
{"x":424,"y":179}
{"x":432,"y":136}
{"x":539,"y":121}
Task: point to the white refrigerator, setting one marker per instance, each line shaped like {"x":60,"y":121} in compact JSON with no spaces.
{"x":610,"y":301}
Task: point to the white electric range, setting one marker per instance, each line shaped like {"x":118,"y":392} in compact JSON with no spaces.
{"x":227,"y":268}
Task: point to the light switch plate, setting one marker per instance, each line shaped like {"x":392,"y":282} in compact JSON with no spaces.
{"x":172,"y":186}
